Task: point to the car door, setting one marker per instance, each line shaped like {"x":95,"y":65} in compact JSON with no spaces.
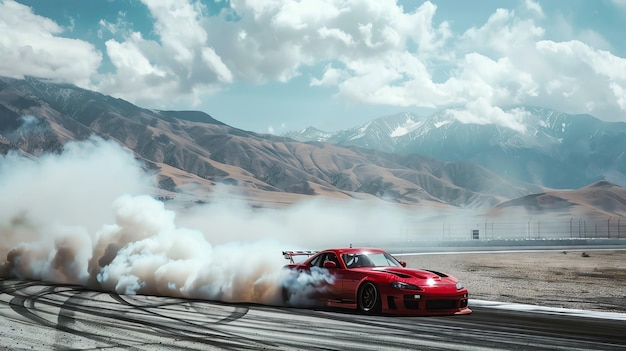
{"x":333,"y":290}
{"x":349,"y":280}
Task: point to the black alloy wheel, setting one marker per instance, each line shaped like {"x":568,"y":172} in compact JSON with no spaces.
{"x":368,"y":299}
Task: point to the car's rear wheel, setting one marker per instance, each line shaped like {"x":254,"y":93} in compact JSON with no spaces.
{"x":368,"y":298}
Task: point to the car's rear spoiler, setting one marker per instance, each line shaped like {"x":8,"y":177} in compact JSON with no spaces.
{"x":290,"y":254}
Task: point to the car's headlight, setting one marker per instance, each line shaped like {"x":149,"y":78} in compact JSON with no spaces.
{"x":459,"y":285}
{"x":401,"y":285}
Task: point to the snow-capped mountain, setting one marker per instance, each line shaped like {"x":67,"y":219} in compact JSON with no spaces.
{"x":309,"y":134}
{"x":554,"y":149}
{"x":191,"y":153}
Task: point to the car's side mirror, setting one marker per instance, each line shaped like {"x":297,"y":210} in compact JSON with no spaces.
{"x":403,"y":264}
{"x":330,"y":264}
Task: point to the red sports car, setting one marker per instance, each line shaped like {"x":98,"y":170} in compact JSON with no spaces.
{"x":373,"y":281}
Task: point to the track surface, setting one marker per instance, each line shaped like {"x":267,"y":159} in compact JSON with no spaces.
{"x":41,"y":316}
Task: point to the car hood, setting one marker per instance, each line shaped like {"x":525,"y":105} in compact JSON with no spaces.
{"x":420,"y":274}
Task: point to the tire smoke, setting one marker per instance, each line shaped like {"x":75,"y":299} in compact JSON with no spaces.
{"x":83,"y":217}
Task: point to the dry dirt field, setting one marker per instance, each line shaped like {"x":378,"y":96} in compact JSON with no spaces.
{"x":590,"y":280}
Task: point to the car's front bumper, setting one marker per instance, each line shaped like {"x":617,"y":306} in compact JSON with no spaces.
{"x":415,"y":302}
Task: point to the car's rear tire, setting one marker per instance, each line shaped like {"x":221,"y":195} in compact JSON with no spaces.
{"x":368,"y":298}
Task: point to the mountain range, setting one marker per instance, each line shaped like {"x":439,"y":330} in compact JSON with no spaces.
{"x":402,"y":159}
{"x":553,"y":149}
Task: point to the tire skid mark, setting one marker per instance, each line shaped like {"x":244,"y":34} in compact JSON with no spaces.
{"x":203,"y":327}
{"x":18,"y":304}
{"x":9,"y":287}
{"x":494,"y":331}
{"x":23,"y":303}
{"x":348,"y":317}
{"x":237,"y":313}
{"x":138,"y":322}
{"x":149,"y":308}
{"x":66,"y":321}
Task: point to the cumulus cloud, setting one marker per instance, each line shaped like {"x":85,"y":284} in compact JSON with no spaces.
{"x":378,"y":53}
{"x":180,"y":64}
{"x":482,"y":112}
{"x":368,"y":52}
{"x":578,"y":77}
{"x":506,"y":61}
{"x":565,"y":30}
{"x":504,"y":34}
{"x":270,"y":41}
{"x":32,"y":45}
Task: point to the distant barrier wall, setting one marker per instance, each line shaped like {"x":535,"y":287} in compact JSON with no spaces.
{"x":528,"y":228}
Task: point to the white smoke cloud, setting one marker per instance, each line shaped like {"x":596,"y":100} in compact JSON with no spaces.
{"x":302,"y":289}
{"x":75,"y":188}
{"x":85,"y":217}
{"x":157,"y":257}
{"x":314,"y":224}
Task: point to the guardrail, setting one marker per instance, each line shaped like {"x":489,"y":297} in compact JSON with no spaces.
{"x":528,"y":228}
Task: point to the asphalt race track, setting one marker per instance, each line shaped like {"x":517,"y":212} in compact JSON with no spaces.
{"x":41,"y":316}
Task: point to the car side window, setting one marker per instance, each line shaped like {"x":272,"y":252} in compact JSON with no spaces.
{"x":357,"y":260}
{"x":350,"y":260}
{"x":317,"y":261}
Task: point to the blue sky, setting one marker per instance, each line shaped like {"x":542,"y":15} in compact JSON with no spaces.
{"x":279,"y":65}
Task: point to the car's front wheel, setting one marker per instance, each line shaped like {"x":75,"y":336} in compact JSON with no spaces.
{"x":368,"y":298}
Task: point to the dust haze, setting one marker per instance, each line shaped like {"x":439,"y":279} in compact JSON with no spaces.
{"x":86,"y":216}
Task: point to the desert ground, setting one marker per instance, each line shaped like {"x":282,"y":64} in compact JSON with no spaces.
{"x":581,"y":279}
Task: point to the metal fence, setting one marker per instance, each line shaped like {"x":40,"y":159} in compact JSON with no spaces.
{"x":529,"y":228}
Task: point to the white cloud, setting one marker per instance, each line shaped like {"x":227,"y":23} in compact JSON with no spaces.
{"x":180,"y":66}
{"x":503,"y":34}
{"x":30,"y":45}
{"x":565,"y":30}
{"x":283,"y":36}
{"x":383,"y":67}
{"x":504,"y":62}
{"x":337,"y":34}
{"x":396,"y":78}
{"x":481,"y":111}
{"x":129,"y":58}
{"x":370,"y":52}
{"x":178,"y":25}
{"x":620,"y":94}
{"x":137,"y":77}
{"x":215,"y":62}
{"x":534,"y":6}
{"x":620,"y":3}
{"x":296,"y":15}
{"x":501,"y":82}
{"x":331,"y":77}
{"x":120,"y":27}
{"x":578,"y":78}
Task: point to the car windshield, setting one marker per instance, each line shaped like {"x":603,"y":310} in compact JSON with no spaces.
{"x":365,"y":259}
